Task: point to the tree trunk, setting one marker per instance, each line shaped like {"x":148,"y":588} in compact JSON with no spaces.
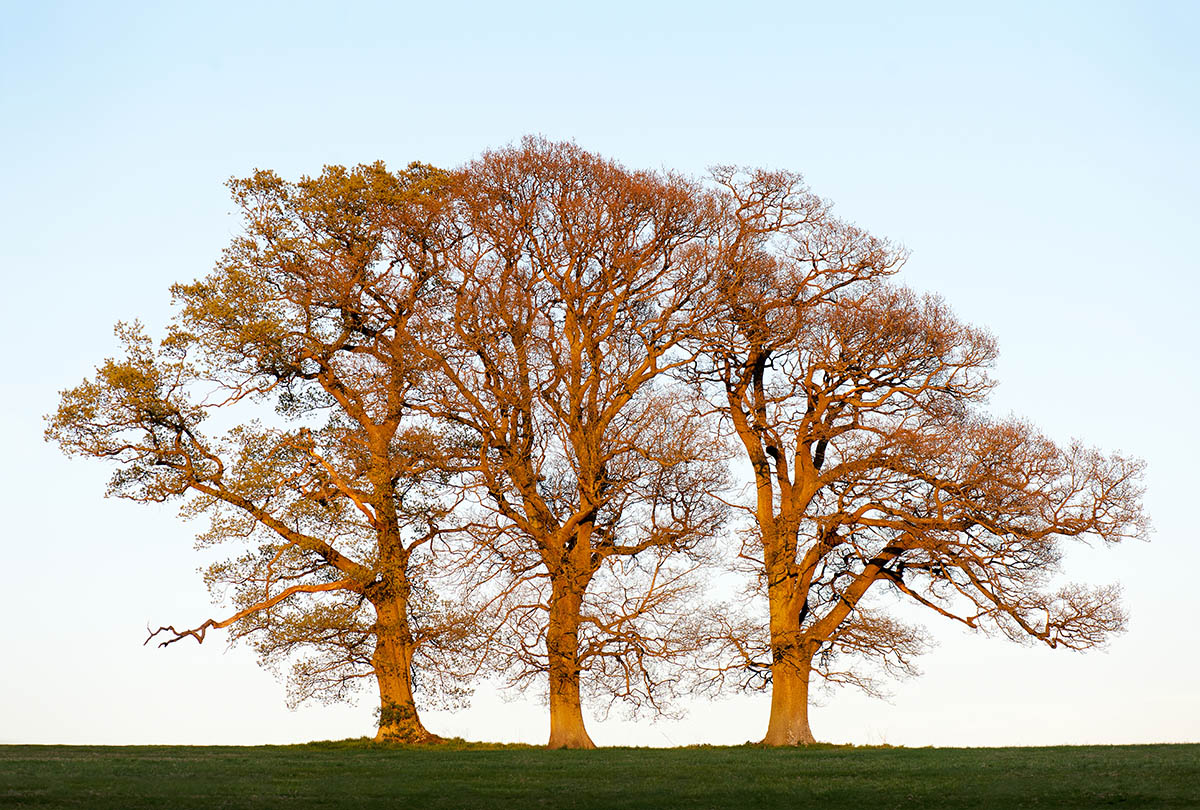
{"x":789,"y":703}
{"x":398,"y":719}
{"x":562,"y":648}
{"x":791,"y":667}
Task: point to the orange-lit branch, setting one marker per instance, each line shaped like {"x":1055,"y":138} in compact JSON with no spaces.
{"x":198,"y":633}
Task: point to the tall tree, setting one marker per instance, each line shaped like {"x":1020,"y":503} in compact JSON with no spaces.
{"x":574,"y":290}
{"x":857,"y":407}
{"x":340,"y":493}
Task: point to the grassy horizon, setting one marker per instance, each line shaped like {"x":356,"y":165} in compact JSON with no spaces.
{"x":458,"y":774}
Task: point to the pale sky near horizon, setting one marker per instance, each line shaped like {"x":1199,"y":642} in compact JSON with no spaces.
{"x":1039,"y":160}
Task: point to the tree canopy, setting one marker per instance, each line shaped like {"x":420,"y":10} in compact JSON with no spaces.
{"x":485,"y":421}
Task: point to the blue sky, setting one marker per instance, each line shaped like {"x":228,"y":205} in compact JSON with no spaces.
{"x":1040,"y":162}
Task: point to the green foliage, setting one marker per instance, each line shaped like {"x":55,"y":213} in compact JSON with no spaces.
{"x":325,"y":475}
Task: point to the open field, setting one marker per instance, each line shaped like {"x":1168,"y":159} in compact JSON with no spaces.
{"x":356,"y":774}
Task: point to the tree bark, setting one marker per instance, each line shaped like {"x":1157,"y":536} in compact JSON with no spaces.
{"x":567,"y":729}
{"x":398,"y":718}
{"x":789,"y":703}
{"x":791,"y":668}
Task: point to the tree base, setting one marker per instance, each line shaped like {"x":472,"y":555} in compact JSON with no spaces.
{"x":408,"y":737}
{"x":399,"y":723}
{"x":770,"y":743}
{"x":789,"y":737}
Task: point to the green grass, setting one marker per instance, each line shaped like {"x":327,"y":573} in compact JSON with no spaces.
{"x":356,"y":774}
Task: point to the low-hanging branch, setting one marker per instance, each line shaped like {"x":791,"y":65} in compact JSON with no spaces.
{"x":199,"y":632}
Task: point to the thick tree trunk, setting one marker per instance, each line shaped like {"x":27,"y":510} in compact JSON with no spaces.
{"x":791,"y":667}
{"x":789,"y":704}
{"x":562,"y":647}
{"x":398,"y":718}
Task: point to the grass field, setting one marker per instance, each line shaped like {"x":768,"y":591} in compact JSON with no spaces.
{"x":356,"y":774}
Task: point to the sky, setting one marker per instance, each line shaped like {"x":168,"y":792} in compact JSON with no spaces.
{"x":1040,"y":161}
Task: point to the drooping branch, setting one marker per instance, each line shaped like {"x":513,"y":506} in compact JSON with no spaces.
{"x":199,"y":632}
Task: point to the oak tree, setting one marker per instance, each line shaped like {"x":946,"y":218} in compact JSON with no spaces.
{"x":858,"y":407}
{"x":339,"y":491}
{"x":574,"y":288}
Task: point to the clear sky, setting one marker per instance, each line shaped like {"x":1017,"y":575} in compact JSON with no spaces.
{"x":1041,"y":162}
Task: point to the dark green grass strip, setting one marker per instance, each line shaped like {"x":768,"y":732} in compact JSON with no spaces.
{"x":360,"y":775}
